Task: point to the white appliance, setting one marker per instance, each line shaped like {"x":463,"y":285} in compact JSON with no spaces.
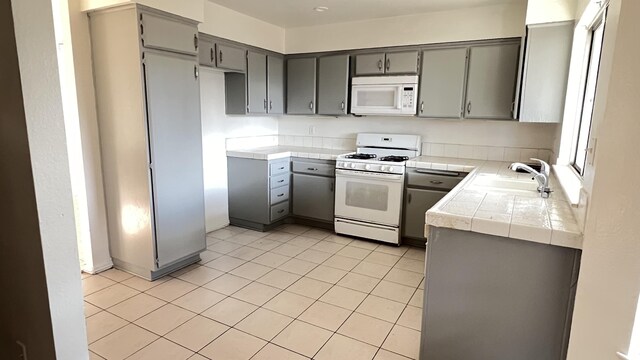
{"x":370,"y":186}
{"x":384,"y":95}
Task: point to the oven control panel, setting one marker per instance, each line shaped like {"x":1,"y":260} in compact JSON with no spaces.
{"x":372,"y":167}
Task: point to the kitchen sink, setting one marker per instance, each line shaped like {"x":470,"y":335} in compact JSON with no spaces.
{"x":493,"y":183}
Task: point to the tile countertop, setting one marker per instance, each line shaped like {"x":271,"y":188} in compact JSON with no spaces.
{"x":520,"y":215}
{"x":279,"y":152}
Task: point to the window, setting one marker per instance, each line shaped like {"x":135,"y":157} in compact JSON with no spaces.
{"x":582,"y":127}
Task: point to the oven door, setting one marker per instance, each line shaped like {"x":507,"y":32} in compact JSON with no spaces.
{"x":369,"y":197}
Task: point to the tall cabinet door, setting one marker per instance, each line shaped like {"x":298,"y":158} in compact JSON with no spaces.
{"x":175,"y":139}
{"x":442,"y":83}
{"x":491,"y":84}
{"x":256,"y":83}
{"x":301,"y":86}
{"x":333,"y":84}
{"x":275,"y":84}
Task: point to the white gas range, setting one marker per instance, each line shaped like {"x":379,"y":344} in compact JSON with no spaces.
{"x":370,"y":184}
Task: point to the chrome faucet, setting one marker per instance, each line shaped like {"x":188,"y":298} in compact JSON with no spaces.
{"x":542,"y":177}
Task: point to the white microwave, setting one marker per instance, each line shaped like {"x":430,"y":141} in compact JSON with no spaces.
{"x":384,"y":95}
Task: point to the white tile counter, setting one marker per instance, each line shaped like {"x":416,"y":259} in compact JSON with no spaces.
{"x":521,"y":215}
{"x":278,"y":152}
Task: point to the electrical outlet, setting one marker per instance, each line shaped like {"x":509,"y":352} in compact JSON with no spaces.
{"x":312,"y":130}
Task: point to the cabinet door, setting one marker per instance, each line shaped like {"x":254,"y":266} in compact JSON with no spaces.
{"x":416,"y":204}
{"x":301,"y":86}
{"x":442,"y":83}
{"x":256,"y":83}
{"x":405,"y":62}
{"x":163,"y":33}
{"x":275,"y":84}
{"x":175,"y":136}
{"x":313,"y":197}
{"x":370,"y":64}
{"x":546,"y":69}
{"x":231,"y":58}
{"x":207,"y":53}
{"x":491,"y":82}
{"x":333,"y":84}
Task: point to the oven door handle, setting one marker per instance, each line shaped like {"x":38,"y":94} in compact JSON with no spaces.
{"x":369,"y":175}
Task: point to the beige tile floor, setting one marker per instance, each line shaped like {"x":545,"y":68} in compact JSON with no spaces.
{"x":292,"y":293}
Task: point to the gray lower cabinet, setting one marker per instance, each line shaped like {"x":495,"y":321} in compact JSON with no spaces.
{"x":507,"y":298}
{"x":150,"y":138}
{"x":301,"y":86}
{"x":491,"y":81}
{"x":258,"y":191}
{"x":546,"y":69}
{"x":275,"y":84}
{"x":416,"y":204}
{"x":333,"y":85}
{"x":229,"y":57}
{"x":400,"y":62}
{"x":313,"y":184}
{"x":256,"y":83}
{"x":442,"y":81}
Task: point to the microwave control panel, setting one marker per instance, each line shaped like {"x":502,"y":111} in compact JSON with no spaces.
{"x":408,"y":97}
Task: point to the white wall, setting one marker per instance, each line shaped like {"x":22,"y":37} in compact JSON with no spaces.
{"x":229,"y":24}
{"x":216,"y":127}
{"x":456,"y":25}
{"x":36,"y":49}
{"x":544,"y":11}
{"x":192,"y":9}
{"x":466,"y":132}
{"x":609,"y":281}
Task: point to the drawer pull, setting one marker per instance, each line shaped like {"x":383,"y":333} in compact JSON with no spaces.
{"x":312,"y":169}
{"x":280,"y":195}
{"x":281,"y":168}
{"x":280,"y":211}
{"x":281,"y":181}
{"x":435,"y":182}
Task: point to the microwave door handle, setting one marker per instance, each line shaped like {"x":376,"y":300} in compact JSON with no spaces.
{"x":399,"y":97}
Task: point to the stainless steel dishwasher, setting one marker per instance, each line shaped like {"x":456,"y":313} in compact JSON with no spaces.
{"x":425,"y":187}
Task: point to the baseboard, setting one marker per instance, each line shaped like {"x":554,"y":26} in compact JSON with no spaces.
{"x":97,"y":269}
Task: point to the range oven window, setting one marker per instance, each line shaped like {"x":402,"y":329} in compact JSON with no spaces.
{"x":367,"y":196}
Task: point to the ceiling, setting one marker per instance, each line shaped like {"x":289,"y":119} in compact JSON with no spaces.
{"x":296,"y":13}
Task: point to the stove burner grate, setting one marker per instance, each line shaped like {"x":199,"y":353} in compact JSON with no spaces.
{"x":394,"y":158}
{"x":361,"y":156}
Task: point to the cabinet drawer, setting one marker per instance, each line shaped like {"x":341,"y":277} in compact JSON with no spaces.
{"x":279,"y":211}
{"x":304,"y":167}
{"x":168,"y":34}
{"x":278,"y":168}
{"x":279,"y":180}
{"x":279,"y":194}
{"x":435,"y":181}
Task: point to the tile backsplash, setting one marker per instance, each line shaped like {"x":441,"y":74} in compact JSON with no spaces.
{"x":475,"y":152}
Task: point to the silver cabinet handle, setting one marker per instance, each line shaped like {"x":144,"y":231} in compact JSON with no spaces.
{"x":280,"y":211}
{"x":280,"y":195}
{"x":220,"y":56}
{"x":265,"y":104}
{"x":342,"y":105}
{"x":513,"y":109}
{"x":312,"y":169}
{"x":311,"y":105}
{"x":195,"y":71}
{"x":469,"y":108}
{"x":212,"y":55}
{"x":435,"y":182}
{"x":331,"y":186}
{"x":409,"y":199}
{"x":280,"y":181}
{"x":195,"y":41}
{"x":388,"y":64}
{"x":380,"y":64}
{"x":270,"y":105}
{"x":421,"y":107}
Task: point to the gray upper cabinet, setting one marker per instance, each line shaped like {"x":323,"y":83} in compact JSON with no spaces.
{"x":545,"y":72}
{"x":333,"y":84}
{"x":491,"y":81}
{"x":370,"y":64}
{"x":301,"y":86}
{"x":164,"y":33}
{"x":256,"y":83}
{"x":404,"y":62}
{"x":442,"y":83}
{"x":230,"y":57}
{"x":207,"y":52}
{"x":275,"y":84}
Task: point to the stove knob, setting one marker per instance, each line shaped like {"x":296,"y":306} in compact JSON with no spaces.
{"x":367,"y":167}
{"x":383,"y":168}
{"x":339,"y":164}
{"x":353,"y":165}
{"x":390,"y":169}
